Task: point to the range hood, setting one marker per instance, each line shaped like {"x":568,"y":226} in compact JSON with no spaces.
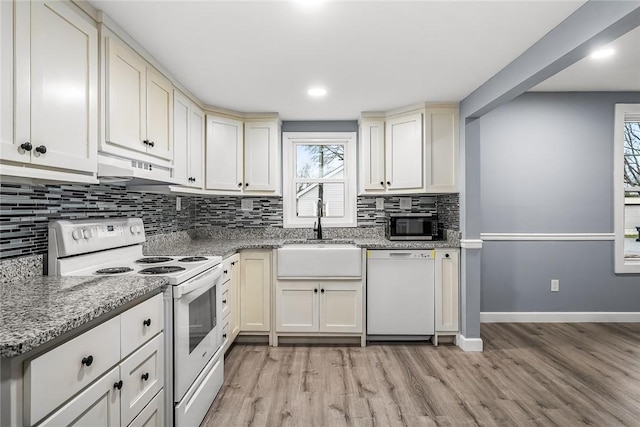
{"x":116,"y":170}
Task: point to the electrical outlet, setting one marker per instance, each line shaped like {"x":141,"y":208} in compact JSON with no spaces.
{"x":555,"y":285}
{"x":379,"y":203}
{"x":178,"y":203}
{"x":405,"y":203}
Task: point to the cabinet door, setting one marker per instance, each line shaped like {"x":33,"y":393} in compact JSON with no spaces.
{"x":196,"y":146}
{"x":372,"y":177}
{"x":8,"y":150}
{"x":159,"y":115}
{"x":125,"y":97}
{"x":224,"y":154}
{"x":97,"y":406}
{"x":56,"y":85}
{"x":341,"y":307}
{"x":442,"y":146}
{"x":404,"y":154}
{"x":262,"y":160}
{"x":234,"y":290}
{"x":255,"y":291}
{"x":447,"y":277}
{"x":152,"y":415}
{"x":181,"y":116}
{"x":297,"y":306}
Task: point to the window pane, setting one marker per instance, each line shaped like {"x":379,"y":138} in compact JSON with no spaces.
{"x":319,"y":161}
{"x":309,"y":195}
{"x":632,"y":154}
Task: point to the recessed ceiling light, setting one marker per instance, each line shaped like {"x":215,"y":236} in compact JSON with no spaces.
{"x":317,"y":91}
{"x":602,"y":53}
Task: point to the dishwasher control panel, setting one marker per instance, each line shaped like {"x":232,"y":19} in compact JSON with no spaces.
{"x":401,"y":254}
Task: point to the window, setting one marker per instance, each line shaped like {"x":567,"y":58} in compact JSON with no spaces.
{"x":319,"y":176}
{"x":627,"y":188}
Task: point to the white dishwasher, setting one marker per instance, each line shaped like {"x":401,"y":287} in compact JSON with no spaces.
{"x":400,"y":294}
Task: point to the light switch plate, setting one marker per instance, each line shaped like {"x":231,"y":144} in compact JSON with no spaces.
{"x":379,"y":203}
{"x":246,"y":205}
{"x":405,"y":202}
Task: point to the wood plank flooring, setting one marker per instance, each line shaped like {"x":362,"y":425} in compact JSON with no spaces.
{"x":529,"y":375}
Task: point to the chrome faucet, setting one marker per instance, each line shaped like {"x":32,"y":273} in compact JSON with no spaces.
{"x":318,"y":229}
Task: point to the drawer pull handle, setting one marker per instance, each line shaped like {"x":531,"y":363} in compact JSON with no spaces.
{"x":146,"y":322}
{"x":118,"y":385}
{"x":87,"y":361}
{"x":145,"y":376}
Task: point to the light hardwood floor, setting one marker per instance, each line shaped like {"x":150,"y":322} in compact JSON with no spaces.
{"x":529,"y":374}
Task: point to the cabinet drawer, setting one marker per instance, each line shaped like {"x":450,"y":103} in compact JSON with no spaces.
{"x":226,"y":306}
{"x":142,"y":376}
{"x":98,"y":405}
{"x":52,"y":378}
{"x":226,"y":270}
{"x":152,"y":415}
{"x":141,"y":323}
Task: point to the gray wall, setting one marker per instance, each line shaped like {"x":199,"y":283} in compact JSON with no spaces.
{"x":321,"y":126}
{"x":547,"y":167}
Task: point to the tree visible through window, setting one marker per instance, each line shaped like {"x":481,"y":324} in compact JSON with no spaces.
{"x":631,"y":189}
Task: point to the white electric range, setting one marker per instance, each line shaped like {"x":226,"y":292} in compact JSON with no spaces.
{"x":193,"y":336}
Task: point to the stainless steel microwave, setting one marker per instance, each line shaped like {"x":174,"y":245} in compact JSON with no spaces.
{"x":412,"y":226}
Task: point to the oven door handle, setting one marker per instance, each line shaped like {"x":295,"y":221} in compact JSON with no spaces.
{"x":198,"y":282}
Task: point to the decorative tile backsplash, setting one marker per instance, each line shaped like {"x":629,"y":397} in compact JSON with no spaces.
{"x":25,"y":211}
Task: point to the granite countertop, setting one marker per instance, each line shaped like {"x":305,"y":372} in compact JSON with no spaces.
{"x":36,"y":310}
{"x":227,"y":247}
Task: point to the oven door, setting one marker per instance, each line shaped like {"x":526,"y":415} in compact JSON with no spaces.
{"x":197,"y":331}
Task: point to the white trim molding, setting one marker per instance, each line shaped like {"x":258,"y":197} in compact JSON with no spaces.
{"x":471,"y":244}
{"x":469,"y":344}
{"x":547,"y":236}
{"x":560,"y":317}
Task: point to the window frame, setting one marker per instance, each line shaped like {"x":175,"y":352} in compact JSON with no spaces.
{"x":290,"y":140}
{"x":621,"y":265}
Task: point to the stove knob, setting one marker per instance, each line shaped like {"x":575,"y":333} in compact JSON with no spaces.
{"x":87,"y":233}
{"x":135,"y":229}
{"x":77,"y":234}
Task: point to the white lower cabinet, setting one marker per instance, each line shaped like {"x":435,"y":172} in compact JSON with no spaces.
{"x":447,"y":283}
{"x":88,"y":382}
{"x":255,"y":291}
{"x":319,"y":306}
{"x":152,"y":415}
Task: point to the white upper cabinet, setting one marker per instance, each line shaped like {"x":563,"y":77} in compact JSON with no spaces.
{"x":261,"y":157}
{"x":242,"y":158}
{"x":225,"y":144}
{"x":55,"y":109}
{"x":188,"y":138}
{"x":442,"y":143}
{"x":138,"y":104}
{"x":409,"y":152}
{"x":404,"y":154}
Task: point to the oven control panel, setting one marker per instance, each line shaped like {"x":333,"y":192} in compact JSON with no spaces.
{"x":81,"y":236}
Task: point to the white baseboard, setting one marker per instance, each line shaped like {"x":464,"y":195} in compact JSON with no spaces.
{"x":469,"y":344}
{"x":560,"y":317}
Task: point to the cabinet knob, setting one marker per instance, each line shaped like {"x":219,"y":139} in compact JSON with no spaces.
{"x":146,"y":322}
{"x":233,"y":263}
{"x":382,"y":183}
{"x":246,"y":184}
{"x":152,"y":144}
{"x":388,"y":182}
{"x":145,"y":142}
{"x":225,"y":272}
{"x":118,"y":385}
{"x":41,"y":149}
{"x":239,"y":184}
{"x":145,"y":376}
{"x":224,"y":301}
{"x":87,"y":361}
{"x":322,"y":291}
{"x":224,"y":335}
{"x":26,"y":146}
{"x":315,"y":291}
{"x":446,"y":255}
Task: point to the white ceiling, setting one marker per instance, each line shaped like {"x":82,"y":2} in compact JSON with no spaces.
{"x":262,"y":56}
{"x":619,"y":72}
